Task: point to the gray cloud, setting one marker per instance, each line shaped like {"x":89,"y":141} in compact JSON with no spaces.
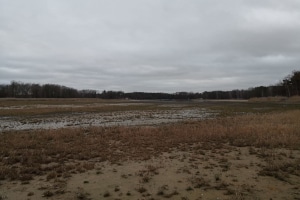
{"x":149,"y":45}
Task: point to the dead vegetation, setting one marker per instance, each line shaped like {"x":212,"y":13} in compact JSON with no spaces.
{"x":63,"y":152}
{"x":292,"y":99}
{"x":33,"y":110}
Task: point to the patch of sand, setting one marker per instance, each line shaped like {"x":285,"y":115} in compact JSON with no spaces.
{"x":225,"y":173}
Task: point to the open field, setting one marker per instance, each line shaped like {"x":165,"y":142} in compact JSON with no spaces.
{"x":155,"y":150}
{"x":29,"y":114}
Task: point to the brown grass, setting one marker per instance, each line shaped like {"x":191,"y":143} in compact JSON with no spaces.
{"x":53,"y":101}
{"x":293,"y":99}
{"x":69,"y":109}
{"x":58,"y":153}
{"x":33,"y":107}
{"x":39,"y":107}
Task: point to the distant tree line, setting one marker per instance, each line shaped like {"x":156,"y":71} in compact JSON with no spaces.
{"x":27,"y":90}
{"x":289,"y":86}
{"x":147,"y":95}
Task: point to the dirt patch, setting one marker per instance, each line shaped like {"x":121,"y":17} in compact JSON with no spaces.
{"x":226,"y":173}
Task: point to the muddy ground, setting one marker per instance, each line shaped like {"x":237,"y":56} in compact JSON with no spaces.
{"x":163,"y":113}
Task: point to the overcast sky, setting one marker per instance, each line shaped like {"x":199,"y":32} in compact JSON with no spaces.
{"x":149,"y":45}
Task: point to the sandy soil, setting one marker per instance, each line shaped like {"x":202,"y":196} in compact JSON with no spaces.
{"x":222,"y":173}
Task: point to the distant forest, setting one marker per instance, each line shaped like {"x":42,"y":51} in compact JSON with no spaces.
{"x":289,"y":86}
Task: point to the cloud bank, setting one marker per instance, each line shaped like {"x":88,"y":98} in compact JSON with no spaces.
{"x":149,"y":45}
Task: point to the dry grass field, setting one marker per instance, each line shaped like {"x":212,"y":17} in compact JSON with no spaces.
{"x":247,"y":150}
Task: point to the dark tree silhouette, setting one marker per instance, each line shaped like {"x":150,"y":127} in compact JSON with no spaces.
{"x":289,"y":86}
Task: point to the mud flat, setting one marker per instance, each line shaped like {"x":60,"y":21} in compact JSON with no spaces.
{"x":115,"y":118}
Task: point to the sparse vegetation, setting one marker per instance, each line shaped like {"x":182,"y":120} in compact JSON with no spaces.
{"x":106,"y":194}
{"x":141,"y":189}
{"x":2,"y":196}
{"x":81,"y":195}
{"x":207,"y":151}
{"x":39,"y":152}
{"x":128,"y":193}
{"x":48,"y":194}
